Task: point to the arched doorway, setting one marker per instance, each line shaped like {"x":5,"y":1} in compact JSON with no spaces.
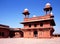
{"x":21,"y":33}
{"x":18,"y":34}
{"x":35,"y":33}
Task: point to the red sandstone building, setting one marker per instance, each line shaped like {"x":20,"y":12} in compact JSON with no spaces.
{"x":35,"y":27}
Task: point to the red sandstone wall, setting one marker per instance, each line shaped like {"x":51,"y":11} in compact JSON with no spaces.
{"x":6,"y":33}
{"x":45,"y":25}
{"x":28,"y":34}
{"x":44,"y":34}
{"x":37,"y":18}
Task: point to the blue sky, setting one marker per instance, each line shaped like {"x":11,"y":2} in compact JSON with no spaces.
{"x":11,"y":11}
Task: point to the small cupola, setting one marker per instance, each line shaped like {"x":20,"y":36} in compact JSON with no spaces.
{"x":26,"y":13}
{"x":48,"y":8}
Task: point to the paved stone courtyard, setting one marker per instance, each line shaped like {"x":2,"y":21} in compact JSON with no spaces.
{"x":29,"y":41}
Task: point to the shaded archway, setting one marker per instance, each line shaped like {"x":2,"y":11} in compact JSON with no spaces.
{"x":35,"y":33}
{"x":11,"y":34}
{"x":21,"y":33}
{"x":16,"y":34}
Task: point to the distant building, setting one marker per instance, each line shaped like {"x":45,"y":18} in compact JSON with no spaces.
{"x":35,"y":27}
{"x":4,"y":31}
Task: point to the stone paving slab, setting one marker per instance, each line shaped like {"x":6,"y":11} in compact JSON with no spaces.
{"x":29,"y":41}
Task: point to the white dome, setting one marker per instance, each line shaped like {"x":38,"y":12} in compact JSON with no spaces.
{"x":26,"y":9}
{"x":48,"y":4}
{"x":34,"y":15}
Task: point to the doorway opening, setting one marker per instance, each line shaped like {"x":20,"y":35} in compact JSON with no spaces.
{"x":35,"y":33}
{"x":16,"y":34}
{"x":21,"y":33}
